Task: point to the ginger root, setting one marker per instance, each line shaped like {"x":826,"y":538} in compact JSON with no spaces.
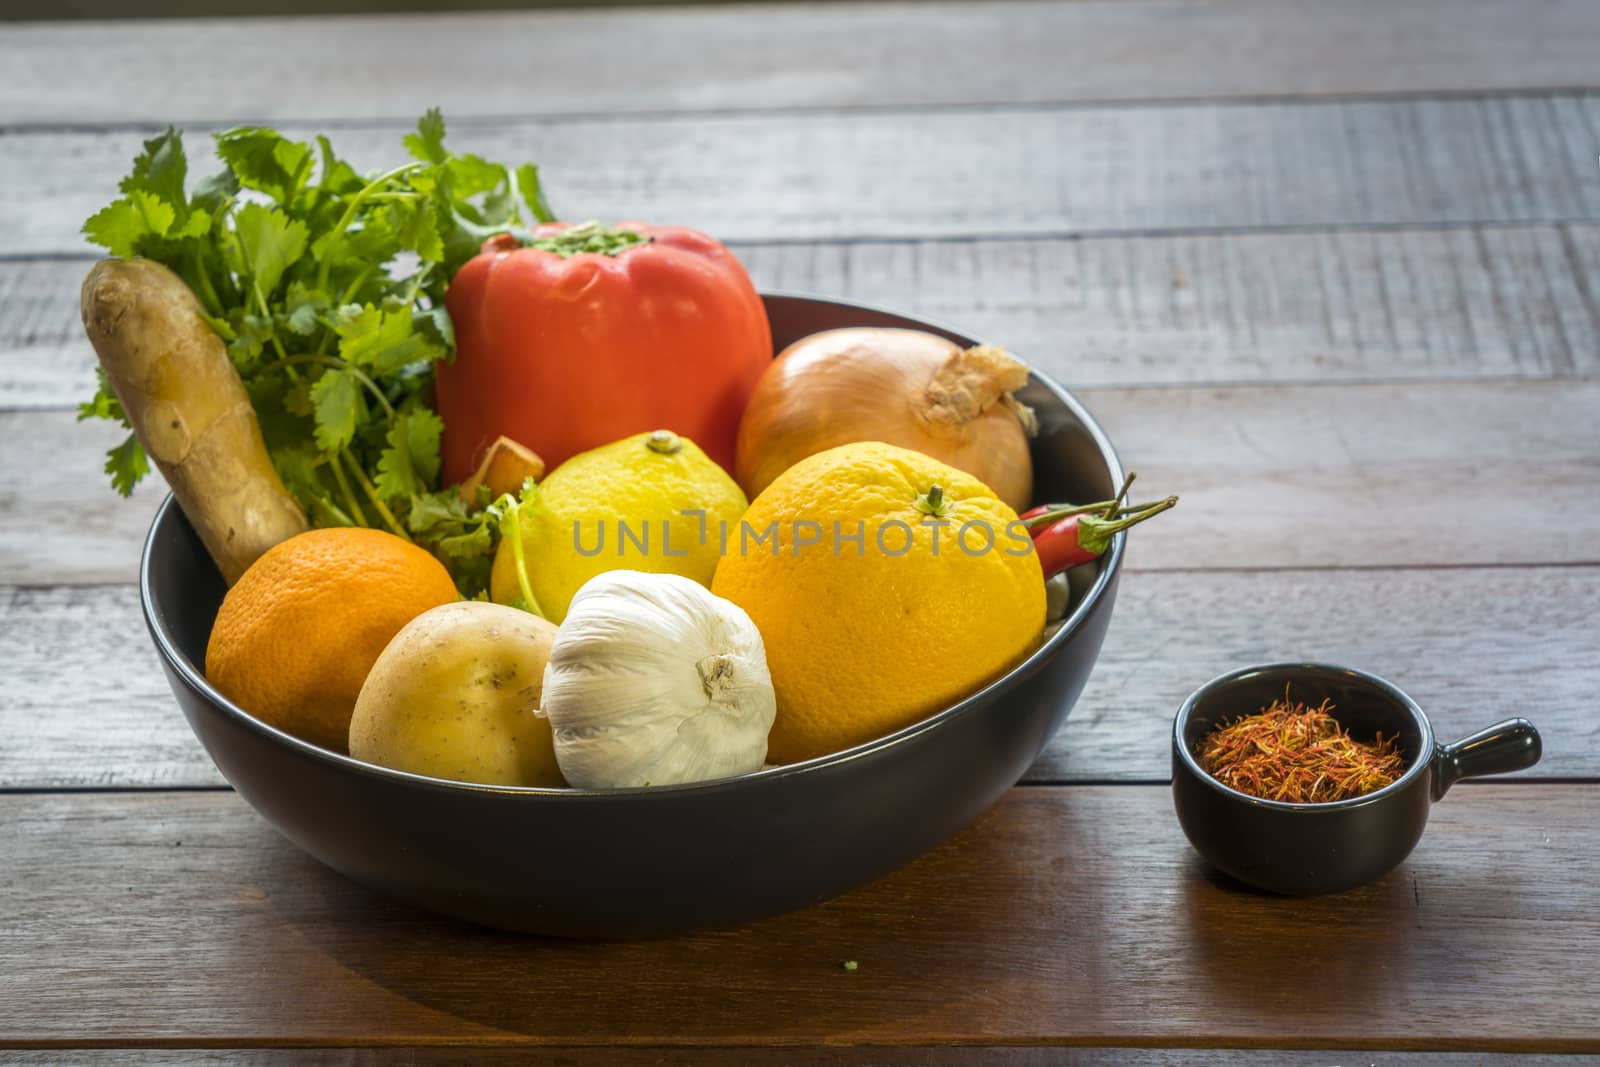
{"x":506,"y":465}
{"x":189,"y":409}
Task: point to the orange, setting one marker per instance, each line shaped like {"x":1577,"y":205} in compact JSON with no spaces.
{"x":939,"y":594}
{"x":300,"y":630}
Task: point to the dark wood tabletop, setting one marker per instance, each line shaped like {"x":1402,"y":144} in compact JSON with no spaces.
{"x":1329,"y":271}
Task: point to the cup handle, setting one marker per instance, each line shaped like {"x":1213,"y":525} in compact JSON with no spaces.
{"x":1512,"y":745}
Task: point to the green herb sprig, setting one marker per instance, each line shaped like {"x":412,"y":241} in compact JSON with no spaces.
{"x":327,"y":286}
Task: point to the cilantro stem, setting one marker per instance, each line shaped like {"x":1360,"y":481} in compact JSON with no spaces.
{"x":349,"y":495}
{"x":360,"y":280}
{"x":208,"y":292}
{"x":416,"y":285}
{"x":514,"y":524}
{"x":337,"y":364}
{"x":367,"y":192}
{"x":255,"y":287}
{"x":297,"y":181}
{"x":372,"y":495}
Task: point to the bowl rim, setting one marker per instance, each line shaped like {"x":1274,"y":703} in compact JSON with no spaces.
{"x":1419,"y":764}
{"x":195,"y":679}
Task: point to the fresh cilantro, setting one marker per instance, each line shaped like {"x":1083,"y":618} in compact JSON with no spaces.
{"x":123,"y":227}
{"x":104,"y":404}
{"x":160,"y":169}
{"x":268,"y":242}
{"x":127,"y":464}
{"x":427,"y":144}
{"x":533,"y":193}
{"x":327,"y":286}
{"x":410,"y":461}
{"x":304,"y":307}
{"x":339,"y":410}
{"x":385,"y":341}
{"x":265,"y":160}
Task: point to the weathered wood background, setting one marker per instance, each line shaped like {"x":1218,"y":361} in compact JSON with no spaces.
{"x":1330,"y":272}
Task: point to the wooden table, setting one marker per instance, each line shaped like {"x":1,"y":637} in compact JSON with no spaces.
{"x":1330,"y":271}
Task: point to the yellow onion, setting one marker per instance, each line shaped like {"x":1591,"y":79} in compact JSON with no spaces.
{"x":902,"y":387}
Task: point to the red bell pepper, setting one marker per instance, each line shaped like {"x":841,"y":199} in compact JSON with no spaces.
{"x":590,"y":334}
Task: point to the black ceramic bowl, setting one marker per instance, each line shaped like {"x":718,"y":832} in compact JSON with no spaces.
{"x":643,"y":862}
{"x":1303,"y":849}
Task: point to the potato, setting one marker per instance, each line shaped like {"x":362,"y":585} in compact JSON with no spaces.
{"x":454,"y":696}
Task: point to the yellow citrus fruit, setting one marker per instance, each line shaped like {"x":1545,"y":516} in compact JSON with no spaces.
{"x":939,"y":594}
{"x":297,"y":634}
{"x":621,"y":506}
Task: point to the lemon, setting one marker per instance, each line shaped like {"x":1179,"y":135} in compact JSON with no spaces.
{"x":651,"y":502}
{"x":893,"y":586}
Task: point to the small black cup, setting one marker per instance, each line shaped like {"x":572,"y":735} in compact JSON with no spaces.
{"x":1304,"y":849}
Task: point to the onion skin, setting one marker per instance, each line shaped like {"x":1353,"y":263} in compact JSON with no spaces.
{"x":902,"y":387}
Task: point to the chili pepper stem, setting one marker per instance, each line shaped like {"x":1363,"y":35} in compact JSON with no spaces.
{"x":1036,"y":519}
{"x":1122,"y":494}
{"x":1095,"y":534}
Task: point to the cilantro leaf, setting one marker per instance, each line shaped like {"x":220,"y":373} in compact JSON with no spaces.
{"x":427,"y":144}
{"x":471,"y":176}
{"x":213,"y":192}
{"x":127,"y":464}
{"x":124,"y":225}
{"x":304,"y":306}
{"x":266,"y":160}
{"x":383,"y":340}
{"x":268,"y":242}
{"x":160,"y":171}
{"x":247,"y":335}
{"x":104,"y":404}
{"x":338,"y":177}
{"x":533,"y":193}
{"x":338,"y":408}
{"x":415,"y":229}
{"x":297,"y":466}
{"x":410,"y":462}
{"x":435,"y":322}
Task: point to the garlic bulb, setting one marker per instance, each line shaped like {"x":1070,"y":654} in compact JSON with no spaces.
{"x":653,"y":680}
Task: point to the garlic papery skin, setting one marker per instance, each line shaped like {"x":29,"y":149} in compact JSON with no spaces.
{"x":653,"y":680}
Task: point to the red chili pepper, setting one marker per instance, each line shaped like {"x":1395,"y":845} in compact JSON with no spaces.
{"x":1039,"y":518}
{"x":1081,"y":537}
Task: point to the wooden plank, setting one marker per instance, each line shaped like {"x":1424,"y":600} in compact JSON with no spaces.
{"x":1472,"y":646}
{"x":84,"y":686}
{"x":1271,"y":476}
{"x":1070,"y":916}
{"x":1365,"y":305}
{"x":726,"y":57}
{"x":58,"y":513}
{"x":877,"y":1056}
{"x":1303,"y":306}
{"x":1488,"y":473}
{"x":1011,"y":172}
{"x":45,"y":359}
